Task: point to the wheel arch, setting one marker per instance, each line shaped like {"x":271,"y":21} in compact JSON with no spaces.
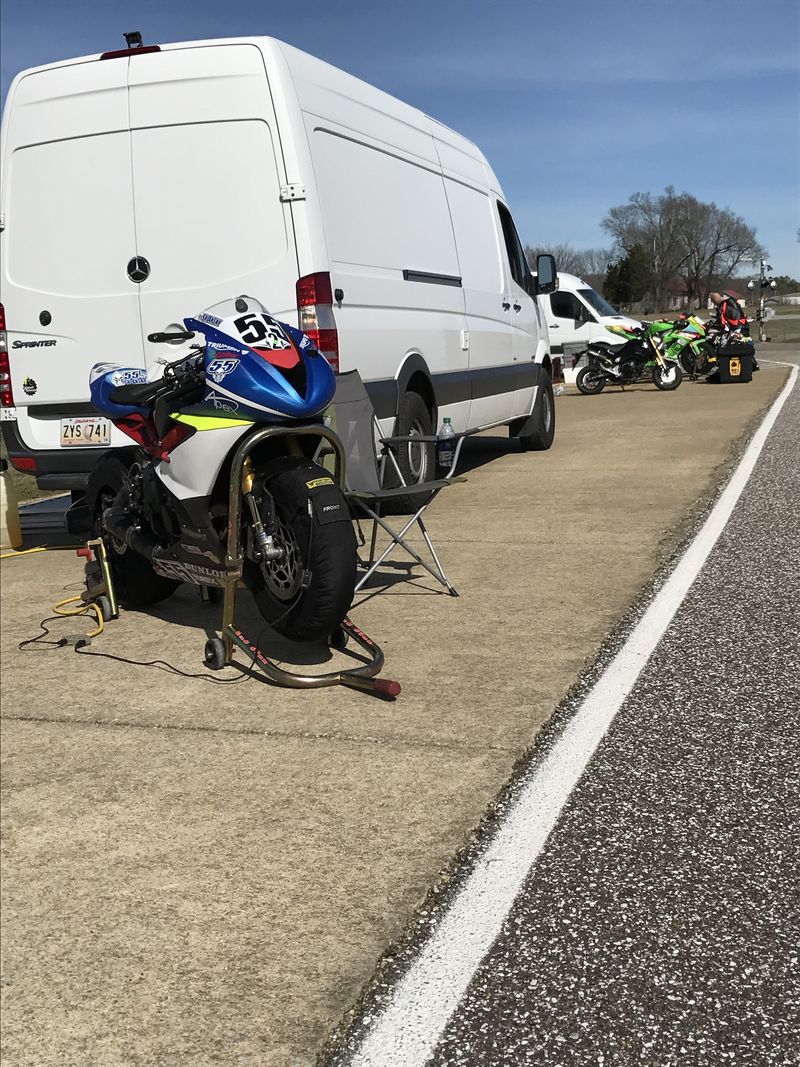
{"x":415,"y":376}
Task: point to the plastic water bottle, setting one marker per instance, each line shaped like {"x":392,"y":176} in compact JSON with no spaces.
{"x":445,"y":447}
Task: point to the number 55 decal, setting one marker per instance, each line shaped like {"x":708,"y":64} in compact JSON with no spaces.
{"x":253,"y":329}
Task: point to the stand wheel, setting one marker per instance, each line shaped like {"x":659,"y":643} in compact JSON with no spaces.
{"x":214,"y":657}
{"x":104,"y":607}
{"x":339,"y":639}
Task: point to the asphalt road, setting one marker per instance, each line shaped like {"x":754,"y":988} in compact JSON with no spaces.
{"x":660,"y":923}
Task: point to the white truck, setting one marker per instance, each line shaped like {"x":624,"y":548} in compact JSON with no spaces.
{"x":145,"y":184}
{"x":577,"y":314}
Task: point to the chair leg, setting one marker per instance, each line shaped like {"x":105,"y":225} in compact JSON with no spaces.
{"x":399,"y":539}
{"x":374,"y":538}
{"x":445,"y":580}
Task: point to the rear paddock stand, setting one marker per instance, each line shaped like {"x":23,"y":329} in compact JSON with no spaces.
{"x":99,"y":582}
{"x":363,"y":677}
{"x":219,"y":651}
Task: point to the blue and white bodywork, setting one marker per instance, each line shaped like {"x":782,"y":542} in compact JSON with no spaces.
{"x":259,"y":368}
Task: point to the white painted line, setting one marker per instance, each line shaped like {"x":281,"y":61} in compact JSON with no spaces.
{"x":407,"y":1030}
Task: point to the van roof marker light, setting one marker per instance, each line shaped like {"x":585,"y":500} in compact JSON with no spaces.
{"x":135,"y":47}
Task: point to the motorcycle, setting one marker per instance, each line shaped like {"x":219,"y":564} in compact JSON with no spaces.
{"x":233,"y":429}
{"x":704,"y":341}
{"x":643,"y":350}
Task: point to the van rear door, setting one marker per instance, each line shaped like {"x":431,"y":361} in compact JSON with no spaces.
{"x":207,"y":177}
{"x":68,"y":239}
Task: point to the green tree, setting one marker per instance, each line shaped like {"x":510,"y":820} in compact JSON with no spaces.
{"x":630,"y":278}
{"x":785,"y":284}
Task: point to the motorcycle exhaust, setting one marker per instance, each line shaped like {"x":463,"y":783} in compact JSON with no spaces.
{"x":122,"y":527}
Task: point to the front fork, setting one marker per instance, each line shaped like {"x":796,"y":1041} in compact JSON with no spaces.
{"x":263,"y":536}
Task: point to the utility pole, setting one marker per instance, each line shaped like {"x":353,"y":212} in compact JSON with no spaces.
{"x":764,"y":282}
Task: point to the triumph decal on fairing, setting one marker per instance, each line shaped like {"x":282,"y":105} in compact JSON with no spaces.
{"x":220,"y":346}
{"x":220,"y":368}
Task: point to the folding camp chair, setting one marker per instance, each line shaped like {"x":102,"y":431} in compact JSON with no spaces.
{"x":357,"y":426}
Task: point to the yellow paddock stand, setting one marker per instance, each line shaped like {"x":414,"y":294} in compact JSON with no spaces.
{"x":10,"y":531}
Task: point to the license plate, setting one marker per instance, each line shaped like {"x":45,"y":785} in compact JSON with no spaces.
{"x":85,"y":431}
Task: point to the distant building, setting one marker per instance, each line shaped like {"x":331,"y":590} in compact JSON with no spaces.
{"x":676,"y":292}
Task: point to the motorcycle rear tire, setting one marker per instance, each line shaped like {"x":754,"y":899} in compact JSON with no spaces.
{"x":135,"y":581}
{"x":596,"y":383}
{"x":667,"y":384}
{"x":688,"y":361}
{"x":327,"y":550}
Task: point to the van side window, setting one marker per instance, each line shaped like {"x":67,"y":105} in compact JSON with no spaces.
{"x":516,"y":257}
{"x":564,"y":305}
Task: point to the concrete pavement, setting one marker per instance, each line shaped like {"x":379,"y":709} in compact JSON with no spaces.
{"x":199,"y":872}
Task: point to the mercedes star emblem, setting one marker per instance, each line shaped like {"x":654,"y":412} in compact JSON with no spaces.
{"x":138,"y":269}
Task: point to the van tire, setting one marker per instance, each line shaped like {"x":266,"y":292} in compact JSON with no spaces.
{"x":413,"y":417}
{"x":544,"y":418}
{"x":136,"y":583}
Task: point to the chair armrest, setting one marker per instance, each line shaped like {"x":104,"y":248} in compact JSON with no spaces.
{"x":421,"y":438}
{"x":418,"y":437}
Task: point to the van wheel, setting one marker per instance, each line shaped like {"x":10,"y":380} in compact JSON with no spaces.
{"x":417,"y":462}
{"x":135,"y":581}
{"x":543,"y":417}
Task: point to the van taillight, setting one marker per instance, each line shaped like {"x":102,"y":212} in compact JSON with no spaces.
{"x":24,"y":463}
{"x":6,"y":396}
{"x":315,"y":310}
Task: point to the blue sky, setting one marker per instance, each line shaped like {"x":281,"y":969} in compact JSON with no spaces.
{"x":576,"y":104}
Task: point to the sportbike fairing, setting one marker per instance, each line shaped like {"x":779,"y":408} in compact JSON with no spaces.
{"x":259,"y":368}
{"x":256,"y":368}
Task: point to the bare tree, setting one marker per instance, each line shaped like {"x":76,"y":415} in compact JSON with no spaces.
{"x":567,"y":258}
{"x":716,"y":243}
{"x":588,"y":263}
{"x":651,"y":223}
{"x":683,"y":237}
{"x":596,"y":261}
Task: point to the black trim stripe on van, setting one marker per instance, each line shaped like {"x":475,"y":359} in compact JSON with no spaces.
{"x":455,"y":387}
{"x":433,"y":279}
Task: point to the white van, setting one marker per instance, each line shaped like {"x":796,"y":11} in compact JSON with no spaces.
{"x":143,"y":185}
{"x":577,"y":314}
